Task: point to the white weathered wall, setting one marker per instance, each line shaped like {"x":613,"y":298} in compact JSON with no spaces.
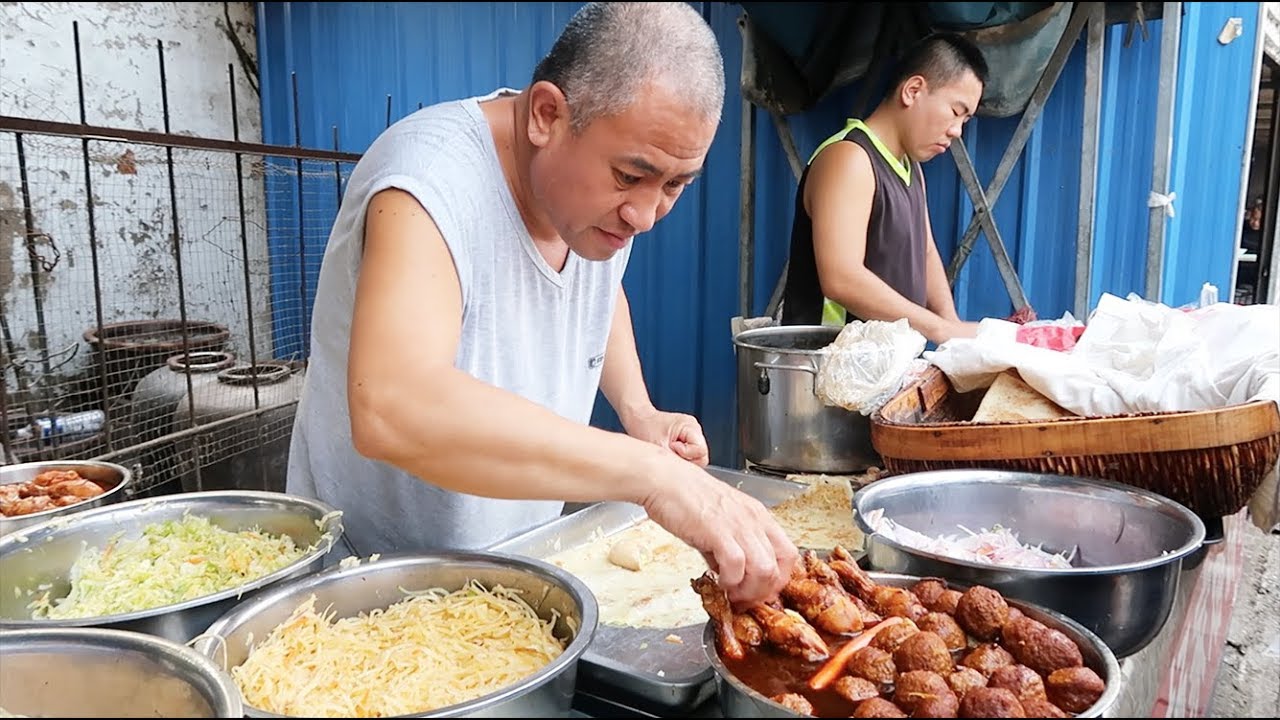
{"x":133,"y":218}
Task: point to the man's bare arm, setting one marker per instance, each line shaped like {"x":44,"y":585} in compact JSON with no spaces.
{"x":621,"y":379}
{"x":937,"y":289}
{"x":838,"y":197}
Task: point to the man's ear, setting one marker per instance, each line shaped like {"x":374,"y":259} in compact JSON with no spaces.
{"x":548,"y":113}
{"x":912,"y":88}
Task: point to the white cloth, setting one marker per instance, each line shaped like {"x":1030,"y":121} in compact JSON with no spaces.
{"x":1134,"y":356}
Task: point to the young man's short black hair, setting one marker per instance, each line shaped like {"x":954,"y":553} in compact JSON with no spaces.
{"x":941,"y":58}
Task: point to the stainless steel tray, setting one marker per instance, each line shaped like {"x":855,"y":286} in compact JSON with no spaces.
{"x":639,"y":664}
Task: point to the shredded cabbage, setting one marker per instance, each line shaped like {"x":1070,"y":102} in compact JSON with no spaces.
{"x":169,"y":563}
{"x":995,"y":546}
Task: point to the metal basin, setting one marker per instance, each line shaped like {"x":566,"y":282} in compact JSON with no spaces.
{"x":1131,"y":542}
{"x":114,"y":479}
{"x":349,"y":591}
{"x":782,"y":425}
{"x":45,"y":553}
{"x":737,"y":700}
{"x":96,"y":672}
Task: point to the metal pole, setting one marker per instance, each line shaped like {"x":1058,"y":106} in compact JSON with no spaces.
{"x":337,"y":170}
{"x":9,"y":456}
{"x":93,"y":248}
{"x":747,"y":210}
{"x":244,"y":252}
{"x":982,"y":210}
{"x":1026,"y":124}
{"x":9,"y":123}
{"x":177,"y":261}
{"x":1089,"y":160}
{"x":302,"y":234}
{"x":1171,"y":30}
{"x":33,"y":259}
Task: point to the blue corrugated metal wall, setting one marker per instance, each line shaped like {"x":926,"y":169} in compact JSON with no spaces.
{"x":682,"y":281}
{"x":1210,"y":137}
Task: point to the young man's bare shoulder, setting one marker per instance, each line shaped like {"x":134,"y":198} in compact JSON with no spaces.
{"x":842,"y":160}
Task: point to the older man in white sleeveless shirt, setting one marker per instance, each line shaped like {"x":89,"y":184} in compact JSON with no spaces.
{"x":470,"y":306}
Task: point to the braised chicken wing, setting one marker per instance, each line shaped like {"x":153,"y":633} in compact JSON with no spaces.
{"x":790,"y":633}
{"x":716,"y":603}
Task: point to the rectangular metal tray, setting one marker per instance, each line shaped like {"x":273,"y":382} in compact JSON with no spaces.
{"x":639,"y":665}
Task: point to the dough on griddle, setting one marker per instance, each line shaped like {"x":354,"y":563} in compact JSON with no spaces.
{"x":640,"y":575}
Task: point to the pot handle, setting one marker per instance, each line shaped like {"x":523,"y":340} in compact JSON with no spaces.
{"x":762,"y":384}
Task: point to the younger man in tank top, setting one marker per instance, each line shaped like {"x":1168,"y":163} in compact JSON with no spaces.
{"x":861,"y":243}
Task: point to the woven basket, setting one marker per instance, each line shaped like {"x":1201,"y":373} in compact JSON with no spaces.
{"x":1211,"y":461}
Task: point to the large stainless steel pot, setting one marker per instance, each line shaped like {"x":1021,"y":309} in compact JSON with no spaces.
{"x":1129,"y":544}
{"x":782,"y":425}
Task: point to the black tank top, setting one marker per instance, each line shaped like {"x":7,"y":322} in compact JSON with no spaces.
{"x":896,"y":238}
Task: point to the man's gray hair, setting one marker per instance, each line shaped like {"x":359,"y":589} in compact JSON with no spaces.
{"x":609,"y":50}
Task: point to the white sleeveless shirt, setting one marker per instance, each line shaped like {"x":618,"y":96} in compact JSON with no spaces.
{"x":525,"y":328}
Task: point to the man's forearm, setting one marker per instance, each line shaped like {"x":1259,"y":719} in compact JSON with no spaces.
{"x":621,"y":379}
{"x":864,"y":294}
{"x":446,"y":427}
{"x":937,"y":289}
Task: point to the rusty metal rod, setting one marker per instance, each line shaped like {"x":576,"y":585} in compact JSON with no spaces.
{"x":302,"y":225}
{"x":107,"y":420}
{"x":9,"y":123}
{"x":244,"y":251}
{"x":33,"y":259}
{"x":177,"y":253}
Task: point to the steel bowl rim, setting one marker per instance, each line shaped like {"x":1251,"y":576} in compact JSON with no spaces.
{"x":572,"y":652}
{"x":31,"y":520}
{"x":1008,"y":477}
{"x":146,"y":642}
{"x":330,"y":533}
{"x":1110,"y":663}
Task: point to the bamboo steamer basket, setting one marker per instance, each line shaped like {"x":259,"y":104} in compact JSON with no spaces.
{"x":1211,"y":461}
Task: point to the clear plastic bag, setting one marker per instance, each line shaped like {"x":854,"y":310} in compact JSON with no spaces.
{"x":867,"y":364}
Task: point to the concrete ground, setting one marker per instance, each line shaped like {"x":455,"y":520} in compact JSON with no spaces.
{"x":1248,"y":683}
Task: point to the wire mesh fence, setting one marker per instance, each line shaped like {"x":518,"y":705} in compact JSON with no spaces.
{"x":155,"y":298}
{"x":146,"y":319}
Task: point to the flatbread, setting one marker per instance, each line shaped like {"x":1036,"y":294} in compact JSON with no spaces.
{"x":822,"y":516}
{"x":640,"y":576}
{"x":1010,"y":399}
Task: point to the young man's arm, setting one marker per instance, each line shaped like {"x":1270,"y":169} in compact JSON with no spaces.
{"x":622,"y":383}
{"x":412,"y":408}
{"x":937,"y":289}
{"x":838,"y":195}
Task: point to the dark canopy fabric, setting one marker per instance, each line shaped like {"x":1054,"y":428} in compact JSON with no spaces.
{"x":796,"y":53}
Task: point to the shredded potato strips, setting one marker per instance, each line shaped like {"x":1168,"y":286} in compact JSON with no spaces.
{"x":168,"y":563}
{"x":433,"y":649}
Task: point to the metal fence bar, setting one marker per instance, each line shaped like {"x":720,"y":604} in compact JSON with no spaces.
{"x":244,"y":266}
{"x":197,"y":430}
{"x":9,"y":123}
{"x":177,"y":254}
{"x":107,"y":421}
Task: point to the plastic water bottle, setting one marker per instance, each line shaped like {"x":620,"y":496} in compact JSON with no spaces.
{"x":1208,"y":294}
{"x":45,"y":429}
